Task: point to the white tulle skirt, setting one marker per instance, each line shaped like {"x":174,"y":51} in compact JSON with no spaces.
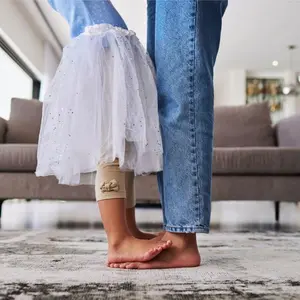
{"x":101,"y":105}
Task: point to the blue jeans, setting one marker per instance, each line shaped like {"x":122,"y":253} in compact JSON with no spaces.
{"x":183,"y":41}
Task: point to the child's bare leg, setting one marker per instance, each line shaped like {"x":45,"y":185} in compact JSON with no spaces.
{"x":135,"y":231}
{"x":130,"y":209}
{"x":122,"y":245}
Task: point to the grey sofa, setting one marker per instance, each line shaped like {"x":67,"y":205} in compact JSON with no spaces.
{"x":252,"y":159}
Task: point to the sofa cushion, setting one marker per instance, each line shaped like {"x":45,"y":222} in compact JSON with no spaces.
{"x":23,"y":125}
{"x":256,"y":161}
{"x":31,"y":187}
{"x":287,"y":131}
{"x":243,"y":126}
{"x":18,"y":157}
{"x":3,"y":128}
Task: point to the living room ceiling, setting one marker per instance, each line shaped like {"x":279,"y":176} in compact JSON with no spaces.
{"x":58,"y":24}
{"x":255,"y":32}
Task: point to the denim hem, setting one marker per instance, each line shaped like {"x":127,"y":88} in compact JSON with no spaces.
{"x":186,"y":229}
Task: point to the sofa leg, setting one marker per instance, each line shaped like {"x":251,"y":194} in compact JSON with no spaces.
{"x":277,"y":211}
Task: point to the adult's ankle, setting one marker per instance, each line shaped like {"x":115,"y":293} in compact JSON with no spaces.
{"x":181,"y":239}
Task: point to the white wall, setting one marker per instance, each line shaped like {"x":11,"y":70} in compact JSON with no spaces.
{"x":27,"y":39}
{"x":230,"y":89}
{"x":135,"y":15}
{"x":14,"y":82}
{"x":222,"y":90}
{"x":291,"y":104}
{"x":255,"y":33}
{"x":22,"y":36}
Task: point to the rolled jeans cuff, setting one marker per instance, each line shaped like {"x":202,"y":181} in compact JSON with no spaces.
{"x":186,"y":229}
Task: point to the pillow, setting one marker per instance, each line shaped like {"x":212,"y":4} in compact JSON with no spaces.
{"x":243,"y":126}
{"x":24,"y":123}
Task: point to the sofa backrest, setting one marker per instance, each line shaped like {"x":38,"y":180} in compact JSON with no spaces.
{"x":23,"y":126}
{"x":244,"y":126}
{"x":235,"y":126}
{"x":288,"y":132}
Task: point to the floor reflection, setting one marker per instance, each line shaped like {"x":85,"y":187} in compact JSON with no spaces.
{"x":226,"y":216}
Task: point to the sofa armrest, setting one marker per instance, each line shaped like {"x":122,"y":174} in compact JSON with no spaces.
{"x":3,"y":128}
{"x":288,"y":132}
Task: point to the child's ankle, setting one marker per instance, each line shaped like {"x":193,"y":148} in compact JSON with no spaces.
{"x":116,"y":241}
{"x":134,"y":230}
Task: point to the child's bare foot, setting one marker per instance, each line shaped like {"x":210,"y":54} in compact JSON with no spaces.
{"x":132,"y":249}
{"x":182,"y":254}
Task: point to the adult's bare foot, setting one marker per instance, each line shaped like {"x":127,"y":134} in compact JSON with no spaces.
{"x":142,"y":235}
{"x":182,"y":254}
{"x":131,"y":249}
{"x":147,"y":235}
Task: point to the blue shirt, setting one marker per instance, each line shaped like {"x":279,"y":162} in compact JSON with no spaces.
{"x":82,"y":13}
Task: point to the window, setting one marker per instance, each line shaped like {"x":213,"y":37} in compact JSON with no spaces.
{"x":16,"y":79}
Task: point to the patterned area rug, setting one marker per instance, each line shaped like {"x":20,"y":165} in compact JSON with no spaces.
{"x":65,"y":264}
